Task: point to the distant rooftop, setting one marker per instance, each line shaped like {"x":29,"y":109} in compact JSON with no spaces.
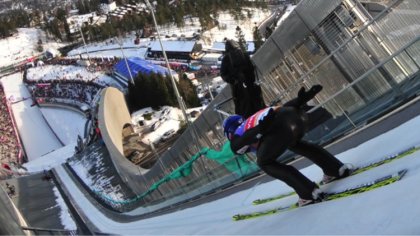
{"x":173,"y":46}
{"x":220,"y":47}
{"x":138,"y":65}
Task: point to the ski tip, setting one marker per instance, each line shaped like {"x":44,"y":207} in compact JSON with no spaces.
{"x":401,"y":173}
{"x":257,"y":202}
{"x":407,"y":150}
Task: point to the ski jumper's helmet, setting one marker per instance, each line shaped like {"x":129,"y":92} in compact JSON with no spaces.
{"x":231,"y":124}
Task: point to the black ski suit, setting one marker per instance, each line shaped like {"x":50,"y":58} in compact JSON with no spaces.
{"x":283,"y":128}
{"x":238,"y":70}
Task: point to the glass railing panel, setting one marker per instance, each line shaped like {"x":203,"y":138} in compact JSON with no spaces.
{"x":414,"y":53}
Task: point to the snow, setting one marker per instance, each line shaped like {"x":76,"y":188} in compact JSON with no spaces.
{"x":112,"y":52}
{"x":100,"y":184}
{"x":76,"y":21}
{"x":111,"y":47}
{"x":391,"y":209}
{"x":23,"y":45}
{"x":289,"y":9}
{"x":75,"y":123}
{"x":52,"y":159}
{"x":168,"y":117}
{"x":65,"y":216}
{"x":29,"y":120}
{"x":227,"y":20}
{"x":60,"y":72}
{"x":173,"y":46}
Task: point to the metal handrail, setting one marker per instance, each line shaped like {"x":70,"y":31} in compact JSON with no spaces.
{"x":367,"y":73}
{"x":37,"y":229}
{"x":217,"y":107}
{"x":318,"y":65}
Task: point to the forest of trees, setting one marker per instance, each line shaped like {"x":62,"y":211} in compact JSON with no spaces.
{"x":205,"y":10}
{"x":155,"y":90}
{"x":12,"y":20}
{"x":87,"y":6}
{"x":114,"y":28}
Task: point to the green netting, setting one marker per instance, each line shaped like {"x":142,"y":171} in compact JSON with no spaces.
{"x":219,"y":156}
{"x":182,"y":171}
{"x":225,"y":157}
{"x":239,"y":165}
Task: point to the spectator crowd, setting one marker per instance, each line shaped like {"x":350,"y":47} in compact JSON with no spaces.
{"x":61,"y":72}
{"x":96,"y":64}
{"x":75,"y":90}
{"x":59,"y":80}
{"x":9,"y":145}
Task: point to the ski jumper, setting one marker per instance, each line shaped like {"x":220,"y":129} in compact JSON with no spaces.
{"x":289,"y":124}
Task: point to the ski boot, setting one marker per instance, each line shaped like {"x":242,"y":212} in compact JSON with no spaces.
{"x":317,"y":196}
{"x":344,"y":171}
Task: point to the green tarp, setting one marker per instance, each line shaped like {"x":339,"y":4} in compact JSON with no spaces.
{"x":238,"y":165}
{"x":225,"y":157}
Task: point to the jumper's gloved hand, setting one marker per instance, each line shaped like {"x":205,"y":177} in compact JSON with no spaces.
{"x":305,"y":96}
{"x":267,"y":121}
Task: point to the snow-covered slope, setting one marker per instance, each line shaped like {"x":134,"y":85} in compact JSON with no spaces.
{"x":23,"y":44}
{"x":29,"y":119}
{"x":392,"y":209}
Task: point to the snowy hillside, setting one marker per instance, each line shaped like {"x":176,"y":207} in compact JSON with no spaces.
{"x":111,"y":47}
{"x":392,"y":209}
{"x":22,"y":45}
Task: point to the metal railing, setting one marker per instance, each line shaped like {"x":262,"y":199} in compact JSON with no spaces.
{"x":302,"y":67}
{"x":45,"y":231}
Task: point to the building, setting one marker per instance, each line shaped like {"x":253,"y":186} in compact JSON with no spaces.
{"x":76,"y":22}
{"x":177,"y":49}
{"x":220,"y":47}
{"x":138,"y":65}
{"x":118,"y":12}
{"x":212,"y":59}
{"x":108,"y":6}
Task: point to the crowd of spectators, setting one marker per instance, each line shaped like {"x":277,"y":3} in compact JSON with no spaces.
{"x":61,"y":72}
{"x":104,"y":65}
{"x":61,"y":61}
{"x":68,"y":69}
{"x":207,"y":71}
{"x":75,"y":90}
{"x":9,"y":145}
{"x":64,"y":83}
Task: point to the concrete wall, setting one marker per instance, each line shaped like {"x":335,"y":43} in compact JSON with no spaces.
{"x":112,"y":116}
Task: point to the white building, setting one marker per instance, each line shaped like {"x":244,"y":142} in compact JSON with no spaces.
{"x":108,"y":6}
{"x":77,"y":21}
